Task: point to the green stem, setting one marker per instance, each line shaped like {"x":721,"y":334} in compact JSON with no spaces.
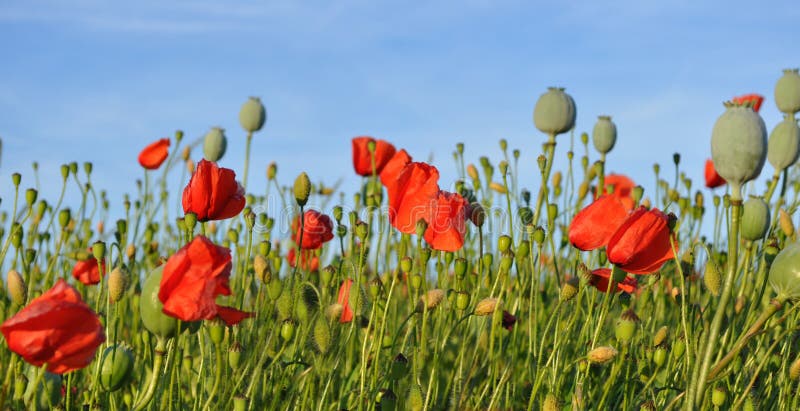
{"x":160,"y":352}
{"x":247,"y":159}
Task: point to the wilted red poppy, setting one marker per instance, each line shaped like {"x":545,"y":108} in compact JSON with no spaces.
{"x":362,"y":158}
{"x":412,"y":196}
{"x":509,"y":320}
{"x":394,"y":166}
{"x":154,"y":154}
{"x":213,"y":193}
{"x":448,"y":222}
{"x":641,"y":245}
{"x":317,"y":229}
{"x":308,"y":259}
{"x":57,"y":329}
{"x":193,"y":278}
{"x":753,"y":99}
{"x":344,"y":299}
{"x":601,"y":276}
{"x":621,"y":187}
{"x":88,"y":271}
{"x":593,"y":226}
{"x":713,"y":179}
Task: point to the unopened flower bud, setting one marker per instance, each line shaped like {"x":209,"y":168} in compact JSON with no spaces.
{"x":17,"y":290}
{"x":487,"y":306}
{"x":430,"y":300}
{"x":302,"y":189}
{"x":601,"y":355}
{"x":117,"y":284}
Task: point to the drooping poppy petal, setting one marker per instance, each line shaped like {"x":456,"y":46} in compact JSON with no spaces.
{"x":601,"y":277}
{"x":621,"y":187}
{"x":193,"y":278}
{"x":393,"y":167}
{"x":88,"y":271}
{"x":343,"y":298}
{"x":362,"y":158}
{"x":57,"y":329}
{"x":317,"y":229}
{"x":154,"y":154}
{"x":753,"y":99}
{"x":508,"y":320}
{"x":213,"y":193}
{"x":593,"y":226}
{"x":413,"y":196}
{"x":641,"y":245}
{"x":447,"y":225}
{"x":713,"y":179}
{"x":308,"y":259}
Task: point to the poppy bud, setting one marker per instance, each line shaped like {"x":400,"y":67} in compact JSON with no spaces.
{"x":186,"y":153}
{"x":322,"y":335}
{"x":430,"y":300}
{"x":569,"y":289}
{"x":661,"y":336}
{"x":252,"y":115}
{"x":604,"y":134}
{"x":794,"y":369}
{"x":99,"y":250}
{"x":64,"y":216}
{"x":117,"y":284}
{"x":659,"y":356}
{"x":718,"y":396}
{"x":712,"y":278}
{"x":787,"y":92}
{"x":287,"y":330}
{"x":17,"y":290}
{"x":30,"y":196}
{"x":130,"y":251}
{"x":302,"y":189}
{"x":783,"y":147}
{"x":260,"y":267}
{"x":462,"y":300}
{"x":504,"y":243}
{"x":755,"y":219}
{"x":554,"y":112}
{"x":551,"y":403}
{"x":538,"y":235}
{"x":214,"y":144}
{"x":487,"y":306}
{"x":601,"y":355}
{"x":785,"y":222}
{"x":415,"y":399}
{"x":334,"y":311}
{"x":116,"y":366}
{"x":497,"y":187}
{"x":272,"y":171}
{"x":477,"y":214}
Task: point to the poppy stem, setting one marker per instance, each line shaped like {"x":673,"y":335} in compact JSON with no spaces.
{"x":246,"y":159}
{"x":160,"y":353}
{"x":719,"y":314}
{"x":550,"y":149}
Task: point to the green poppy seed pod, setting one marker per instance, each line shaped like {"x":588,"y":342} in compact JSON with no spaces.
{"x":99,"y":250}
{"x":117,"y":284}
{"x":538,"y":235}
{"x":554,"y":112}
{"x":460,"y":267}
{"x":755,"y":219}
{"x":604,"y":134}
{"x":523,"y":249}
{"x":552,"y":213}
{"x":252,"y":115}
{"x":504,"y":243}
{"x":44,"y":395}
{"x":570,"y":289}
{"x":73,"y":168}
{"x":659,"y":356}
{"x":647,"y":406}
{"x":406,"y":264}
{"x":416,"y":281}
{"x":235,"y":355}
{"x":784,"y":144}
{"x":462,"y":300}
{"x":718,"y":396}
{"x":30,"y":196}
{"x":287,"y":330}
{"x":214,"y":144}
{"x":551,"y":403}
{"x":626,"y":326}
{"x":150,"y":308}
{"x":116,"y":367}
{"x":17,"y":290}
{"x":738,"y":146}
{"x":784,"y":274}
{"x":16,"y":178}
{"x":302,"y":189}
{"x":787,"y":92}
{"x":322,"y":335}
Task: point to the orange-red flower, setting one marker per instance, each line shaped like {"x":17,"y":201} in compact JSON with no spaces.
{"x":154,"y":154}
{"x":593,"y":226}
{"x":317,"y":229}
{"x":641,"y":245}
{"x":394,"y":166}
{"x":601,"y":276}
{"x":413,"y":196}
{"x":308,"y":259}
{"x":362,"y":158}
{"x":88,"y":271}
{"x":620,"y":186}
{"x":193,"y":278}
{"x":57,"y":329}
{"x":713,"y":179}
{"x":344,"y":299}
{"x":213,"y":193}
{"x":754,"y":99}
{"x":448,"y":222}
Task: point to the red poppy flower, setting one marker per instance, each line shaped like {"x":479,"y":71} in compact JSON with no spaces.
{"x":593,"y":226}
{"x":753,"y":98}
{"x":601,"y":276}
{"x":508,"y":320}
{"x":713,"y":179}
{"x":621,"y":187}
{"x":448,"y":223}
{"x":88,"y":271}
{"x":393,"y":167}
{"x":362,"y":158}
{"x":317,"y":229}
{"x":344,"y":299}
{"x":193,"y":278}
{"x":213,"y":193}
{"x":412,"y":196}
{"x":154,"y":154}
{"x":57,"y":329}
{"x":308,"y":259}
{"x":641,"y":245}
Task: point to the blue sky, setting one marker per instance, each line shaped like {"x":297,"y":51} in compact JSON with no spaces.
{"x":91,"y":80}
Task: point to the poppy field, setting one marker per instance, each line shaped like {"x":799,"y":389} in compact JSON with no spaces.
{"x":575,"y":288}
